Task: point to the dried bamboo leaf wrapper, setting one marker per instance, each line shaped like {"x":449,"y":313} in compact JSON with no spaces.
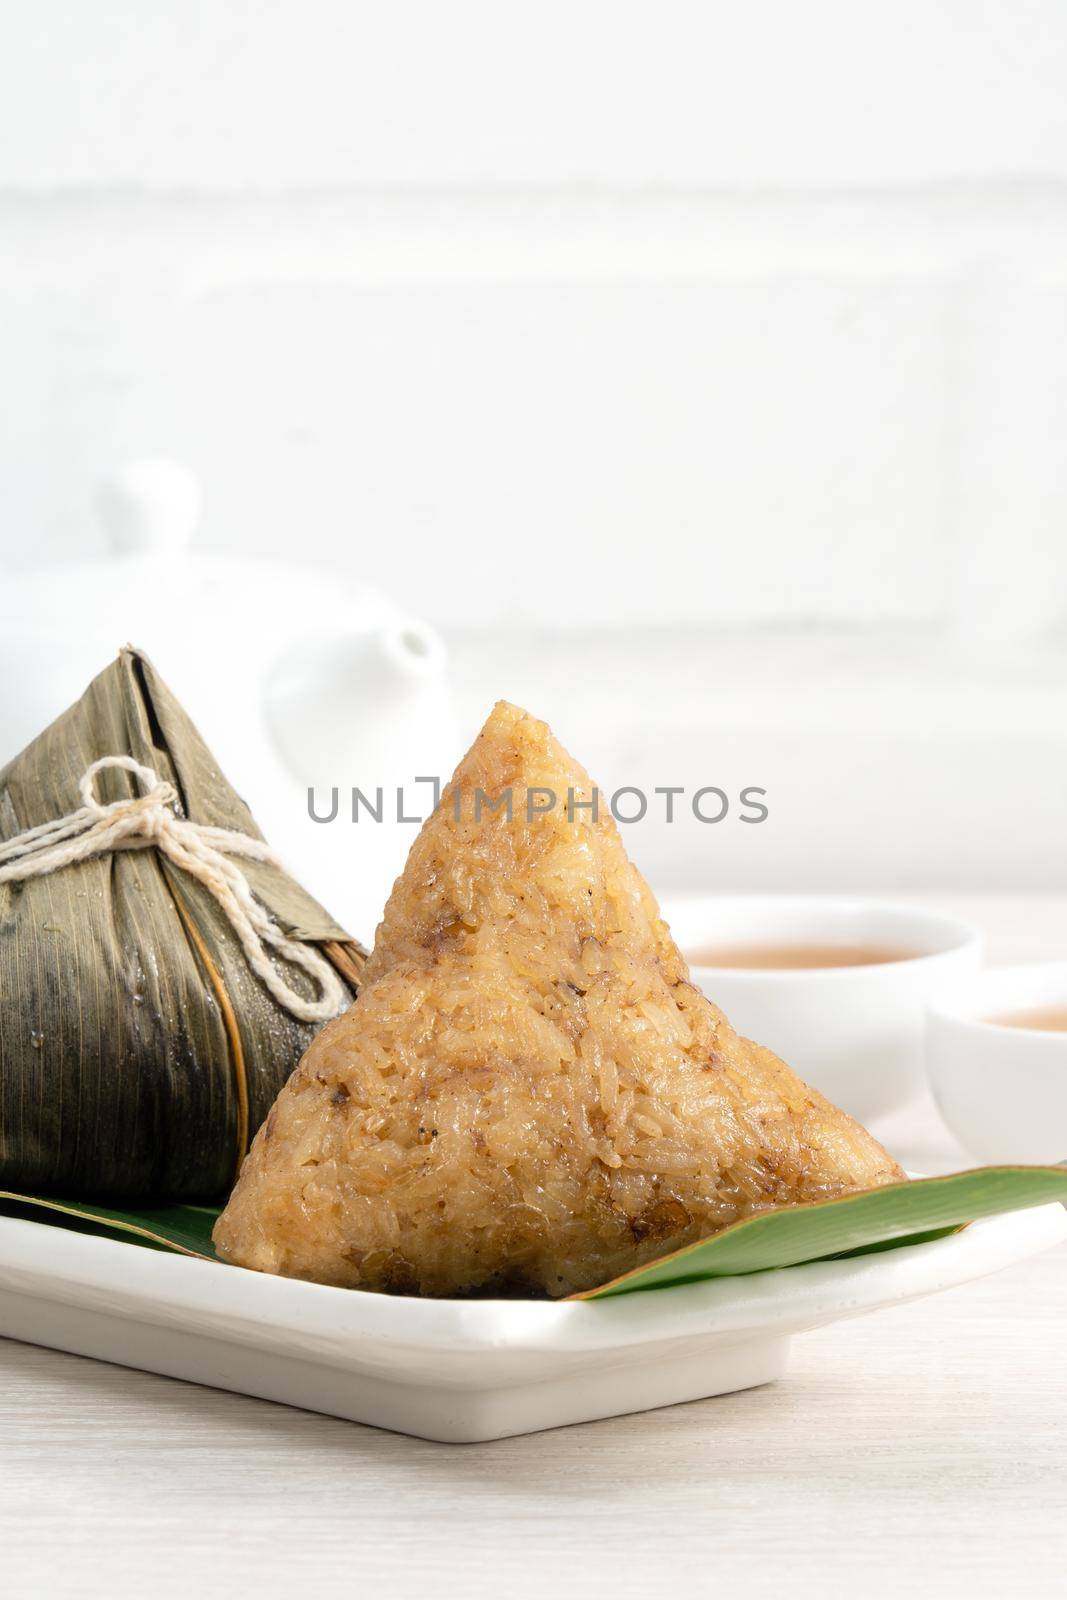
{"x":137,"y":1050}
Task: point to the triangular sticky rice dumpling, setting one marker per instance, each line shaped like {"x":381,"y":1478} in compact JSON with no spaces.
{"x":528,"y":1095}
{"x":138,"y":1049}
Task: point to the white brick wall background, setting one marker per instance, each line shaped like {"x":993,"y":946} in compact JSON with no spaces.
{"x":700,"y":369}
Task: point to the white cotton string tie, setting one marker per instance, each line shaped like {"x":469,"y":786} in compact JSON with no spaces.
{"x":152,"y":821}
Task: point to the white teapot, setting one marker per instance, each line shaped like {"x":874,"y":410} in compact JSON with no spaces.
{"x":296,"y":682}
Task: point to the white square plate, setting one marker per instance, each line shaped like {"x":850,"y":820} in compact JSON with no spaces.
{"x":459,"y":1370}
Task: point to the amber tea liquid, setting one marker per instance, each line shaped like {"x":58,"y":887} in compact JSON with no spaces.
{"x":1045,"y":1019}
{"x":797,"y":957}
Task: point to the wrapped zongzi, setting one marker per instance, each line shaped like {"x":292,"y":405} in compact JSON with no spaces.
{"x":160,"y":974}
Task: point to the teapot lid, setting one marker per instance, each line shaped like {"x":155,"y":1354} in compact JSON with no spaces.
{"x":153,"y":579}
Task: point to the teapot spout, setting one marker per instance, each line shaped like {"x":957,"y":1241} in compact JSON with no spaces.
{"x":346,"y":703}
{"x":411,"y":652}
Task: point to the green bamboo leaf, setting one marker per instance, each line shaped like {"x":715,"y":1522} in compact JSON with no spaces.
{"x":889,"y":1218}
{"x":184,"y":1228}
{"x":858,"y":1224}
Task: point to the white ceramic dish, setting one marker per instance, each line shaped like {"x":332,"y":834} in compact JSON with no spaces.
{"x":459,"y":1371}
{"x":1002,"y":1090}
{"x":856,"y":1033}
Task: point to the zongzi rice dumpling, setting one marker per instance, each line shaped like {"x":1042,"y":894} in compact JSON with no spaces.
{"x":528,"y":1095}
{"x":140,"y":1048}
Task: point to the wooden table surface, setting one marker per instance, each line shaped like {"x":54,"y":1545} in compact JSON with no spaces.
{"x":915,"y":1451}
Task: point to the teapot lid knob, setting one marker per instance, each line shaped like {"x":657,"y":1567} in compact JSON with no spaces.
{"x":150,"y":506}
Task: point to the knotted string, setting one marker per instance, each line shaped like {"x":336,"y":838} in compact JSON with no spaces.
{"x":151,"y":821}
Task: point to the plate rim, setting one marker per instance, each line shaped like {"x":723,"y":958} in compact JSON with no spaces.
{"x":340,"y":1325}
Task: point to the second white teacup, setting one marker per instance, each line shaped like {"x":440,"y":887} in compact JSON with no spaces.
{"x":998,"y":1062}
{"x":855,"y":1031}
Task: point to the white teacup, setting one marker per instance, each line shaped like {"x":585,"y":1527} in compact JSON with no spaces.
{"x":1002,"y":1089}
{"x":855,"y":1032}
